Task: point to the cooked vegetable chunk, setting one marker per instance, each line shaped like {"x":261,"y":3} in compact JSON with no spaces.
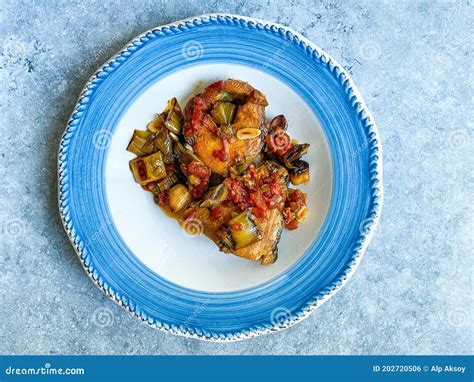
{"x":148,"y":169}
{"x":223,"y":113}
{"x":179,"y":197}
{"x":173,"y":117}
{"x":300,"y":173}
{"x":239,"y":232}
{"x":142,"y":143}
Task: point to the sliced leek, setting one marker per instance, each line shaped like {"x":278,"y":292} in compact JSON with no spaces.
{"x":179,"y":197}
{"x":174,"y":117}
{"x":215,"y":196}
{"x":163,"y":143}
{"x":141,"y":143}
{"x":164,"y":184}
{"x":149,"y":168}
{"x":223,"y":113}
{"x":240,"y":231}
{"x":247,"y":133}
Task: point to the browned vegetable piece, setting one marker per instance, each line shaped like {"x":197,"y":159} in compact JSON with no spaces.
{"x":164,"y":184}
{"x":300,"y":173}
{"x":156,"y":124}
{"x":149,"y":168}
{"x":215,"y":179}
{"x":185,"y":153}
{"x":294,"y":154}
{"x":279,"y":122}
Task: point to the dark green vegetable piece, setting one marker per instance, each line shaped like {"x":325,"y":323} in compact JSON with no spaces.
{"x":300,"y":173}
{"x":185,"y":154}
{"x":294,"y":154}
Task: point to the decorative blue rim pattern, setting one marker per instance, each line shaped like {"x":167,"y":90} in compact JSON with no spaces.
{"x":357,"y":185}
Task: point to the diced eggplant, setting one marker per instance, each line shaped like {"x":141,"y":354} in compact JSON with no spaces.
{"x":179,"y":197}
{"x":149,"y":168}
{"x":294,"y":154}
{"x":215,"y":179}
{"x":300,"y":173}
{"x":279,"y":122}
{"x":272,"y":169}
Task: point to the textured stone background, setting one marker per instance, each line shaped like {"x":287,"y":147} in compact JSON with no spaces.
{"x":412,"y":62}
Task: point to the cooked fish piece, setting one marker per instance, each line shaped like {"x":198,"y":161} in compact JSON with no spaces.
{"x":219,"y":145}
{"x":265,"y":250}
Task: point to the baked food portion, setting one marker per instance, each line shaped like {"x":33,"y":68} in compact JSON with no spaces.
{"x":223,"y":169}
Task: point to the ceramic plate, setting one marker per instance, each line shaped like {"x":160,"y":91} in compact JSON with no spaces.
{"x":179,"y":282}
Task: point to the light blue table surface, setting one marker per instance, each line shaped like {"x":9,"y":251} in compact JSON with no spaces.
{"x":413,"y":63}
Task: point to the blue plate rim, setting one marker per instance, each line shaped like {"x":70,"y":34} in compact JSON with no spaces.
{"x":375,"y":175}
